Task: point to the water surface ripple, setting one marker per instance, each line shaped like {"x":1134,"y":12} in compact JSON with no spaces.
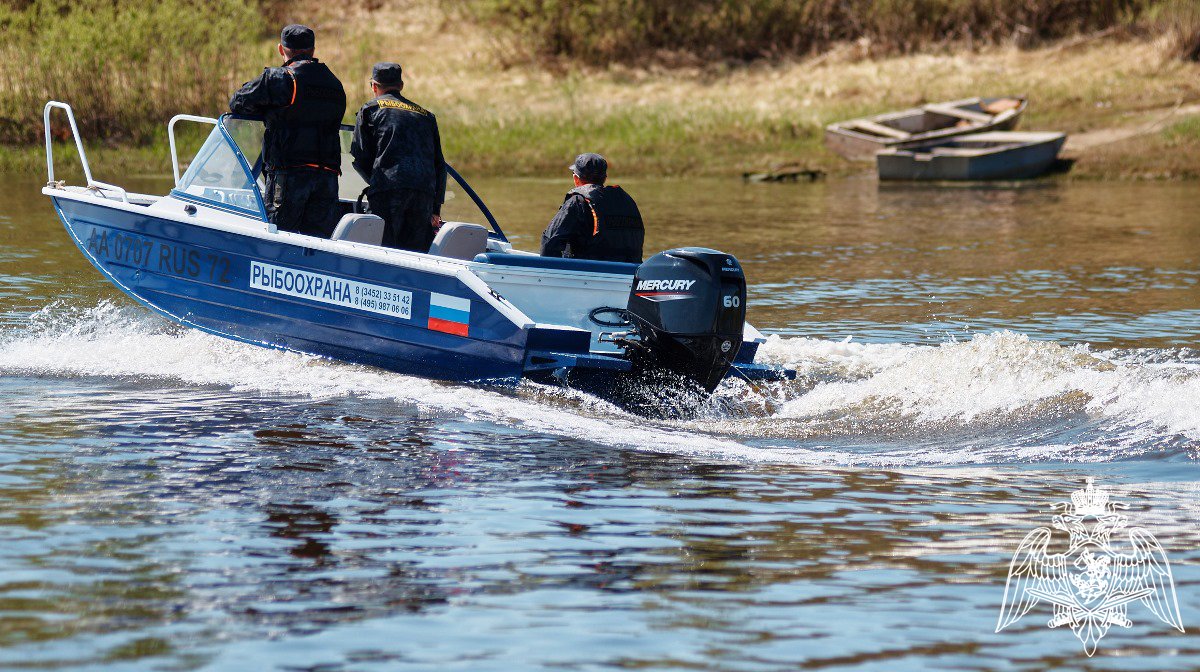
{"x":170,"y":500}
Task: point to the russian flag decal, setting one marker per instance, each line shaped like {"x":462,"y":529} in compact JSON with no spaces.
{"x":449,"y":314}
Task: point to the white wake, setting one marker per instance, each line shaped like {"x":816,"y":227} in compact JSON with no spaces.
{"x":997,"y":398}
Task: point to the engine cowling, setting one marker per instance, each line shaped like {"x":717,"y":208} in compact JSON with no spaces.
{"x":689,"y":307}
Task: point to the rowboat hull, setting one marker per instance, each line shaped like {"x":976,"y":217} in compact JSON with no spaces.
{"x":983,"y":156}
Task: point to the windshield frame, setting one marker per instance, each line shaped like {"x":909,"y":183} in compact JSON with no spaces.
{"x":251,"y":178}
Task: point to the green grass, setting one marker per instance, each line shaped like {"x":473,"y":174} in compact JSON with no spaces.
{"x":642,"y":141}
{"x":109,"y":164}
{"x":1182,"y":132}
{"x":130,"y":67}
{"x":645,"y":143}
{"x":1170,"y":154}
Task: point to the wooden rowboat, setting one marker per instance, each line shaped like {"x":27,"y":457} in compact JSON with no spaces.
{"x":862,"y":139}
{"x":999,"y":155}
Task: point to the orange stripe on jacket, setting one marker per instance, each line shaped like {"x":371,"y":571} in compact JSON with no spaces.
{"x":293,"y":74}
{"x":595,"y":217}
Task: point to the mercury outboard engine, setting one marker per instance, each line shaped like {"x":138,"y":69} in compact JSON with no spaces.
{"x":688,"y":306}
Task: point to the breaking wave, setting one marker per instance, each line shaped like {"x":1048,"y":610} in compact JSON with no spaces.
{"x":995,"y":399}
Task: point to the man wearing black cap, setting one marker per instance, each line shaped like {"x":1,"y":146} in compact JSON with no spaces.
{"x":595,"y":221}
{"x":398,"y":151}
{"x":302,"y":104}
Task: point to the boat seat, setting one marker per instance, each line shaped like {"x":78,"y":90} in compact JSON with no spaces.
{"x":879,"y":129}
{"x":1004,"y":116}
{"x":951,"y":111}
{"x":356,"y":228}
{"x":459,"y":240}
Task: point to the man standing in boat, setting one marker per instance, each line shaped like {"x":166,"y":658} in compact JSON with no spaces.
{"x":398,"y":151}
{"x":303,"y":104}
{"x":595,"y":221}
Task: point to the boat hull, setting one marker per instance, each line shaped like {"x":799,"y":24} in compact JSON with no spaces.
{"x":844,"y":140}
{"x":1021,"y":160}
{"x":287,"y":296}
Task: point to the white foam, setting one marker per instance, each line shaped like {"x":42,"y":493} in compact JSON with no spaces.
{"x":123,"y":341}
{"x":850,"y":389}
{"x":997,"y":374}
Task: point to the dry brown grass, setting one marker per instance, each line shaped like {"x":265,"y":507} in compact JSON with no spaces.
{"x":723,"y":120}
{"x":603,"y":32}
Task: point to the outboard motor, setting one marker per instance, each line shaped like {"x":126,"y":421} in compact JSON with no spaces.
{"x":688,"y":305}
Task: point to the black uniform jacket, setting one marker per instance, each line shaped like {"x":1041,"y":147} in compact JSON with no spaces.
{"x":303,"y":104}
{"x":397,"y":146}
{"x":595,"y":222}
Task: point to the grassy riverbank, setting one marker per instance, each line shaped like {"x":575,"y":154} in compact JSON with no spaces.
{"x":502,"y":113}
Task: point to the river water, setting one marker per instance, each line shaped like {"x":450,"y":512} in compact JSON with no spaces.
{"x":967,"y":358}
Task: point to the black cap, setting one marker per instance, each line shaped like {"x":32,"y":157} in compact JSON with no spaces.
{"x":388,"y":74}
{"x":297,"y":37}
{"x":591,"y":167}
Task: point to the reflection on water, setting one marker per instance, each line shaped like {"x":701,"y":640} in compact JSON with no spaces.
{"x":169,"y":500}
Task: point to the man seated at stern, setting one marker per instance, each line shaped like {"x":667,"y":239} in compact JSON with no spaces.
{"x":595,"y":221}
{"x":398,"y":152}
{"x":302,"y":104}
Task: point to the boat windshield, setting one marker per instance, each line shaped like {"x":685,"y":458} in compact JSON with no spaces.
{"x":217,"y":175}
{"x":247,"y":134}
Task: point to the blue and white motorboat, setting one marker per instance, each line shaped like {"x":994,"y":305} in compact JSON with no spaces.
{"x":472,"y":309}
